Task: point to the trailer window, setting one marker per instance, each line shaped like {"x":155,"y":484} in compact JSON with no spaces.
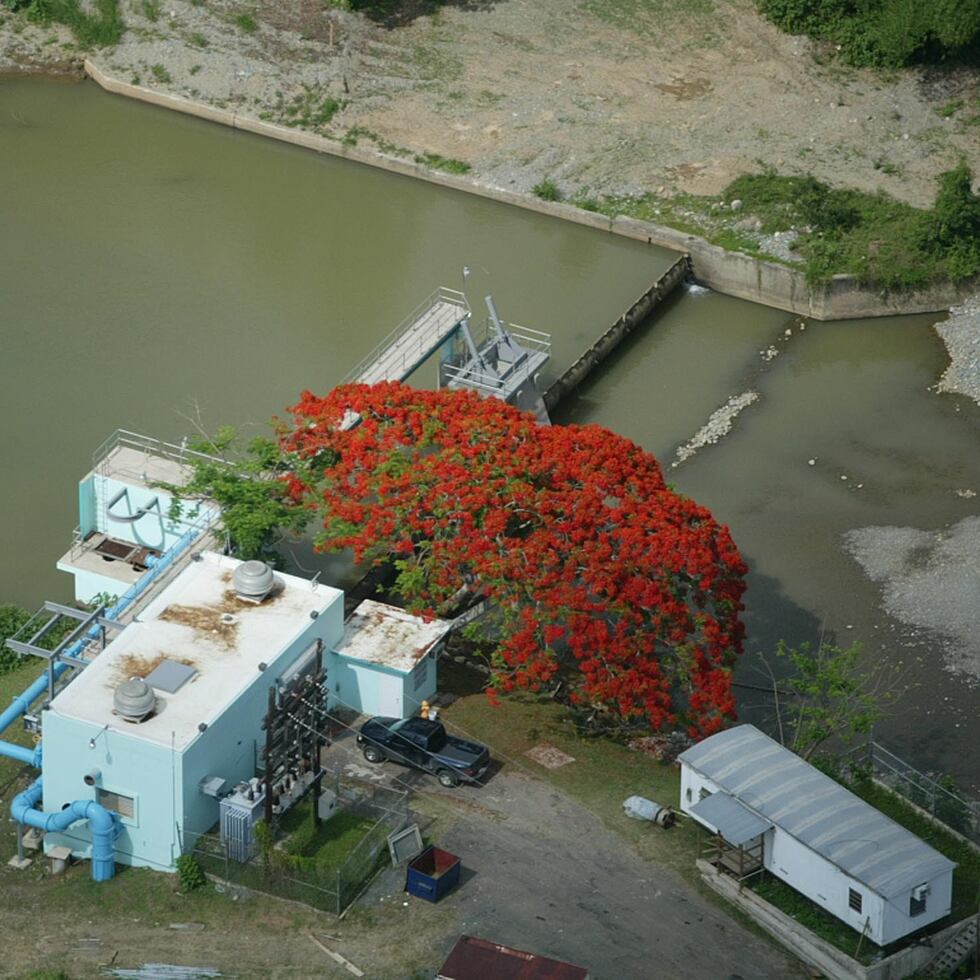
{"x":854,"y":899}
{"x":917,"y":903}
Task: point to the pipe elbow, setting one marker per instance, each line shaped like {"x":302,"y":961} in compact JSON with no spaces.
{"x":24,"y":802}
{"x":101,"y":820}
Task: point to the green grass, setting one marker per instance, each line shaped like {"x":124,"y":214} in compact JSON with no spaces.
{"x":950,"y":108}
{"x":309,"y":110}
{"x":12,"y":773}
{"x":198,"y":40}
{"x":812,"y":917}
{"x":873,"y":237}
{"x":101,"y":26}
{"x":547,"y":190}
{"x":648,"y":18}
{"x":247,"y":23}
{"x":328,"y":846}
{"x":433,"y":64}
{"x":603,"y":775}
{"x":448,"y":164}
{"x":150,"y":10}
{"x":160,"y":73}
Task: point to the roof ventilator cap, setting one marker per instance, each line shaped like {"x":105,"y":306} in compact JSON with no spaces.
{"x":253,"y":581}
{"x":134,"y":700}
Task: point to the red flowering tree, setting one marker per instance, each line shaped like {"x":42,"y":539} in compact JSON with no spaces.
{"x":597,"y":572}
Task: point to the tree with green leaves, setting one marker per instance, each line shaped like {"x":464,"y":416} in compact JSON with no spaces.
{"x":828,"y":693}
{"x":246,"y":481}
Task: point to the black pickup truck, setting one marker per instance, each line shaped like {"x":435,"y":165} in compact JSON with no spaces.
{"x":426,"y":745}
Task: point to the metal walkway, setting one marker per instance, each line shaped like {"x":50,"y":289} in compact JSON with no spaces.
{"x":415,"y":339}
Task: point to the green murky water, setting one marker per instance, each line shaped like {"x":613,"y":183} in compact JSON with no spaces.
{"x":156,"y":269}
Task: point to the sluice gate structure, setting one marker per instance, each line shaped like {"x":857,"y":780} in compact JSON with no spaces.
{"x":498,"y":359}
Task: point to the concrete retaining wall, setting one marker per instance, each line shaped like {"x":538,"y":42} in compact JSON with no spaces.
{"x":731,"y":273}
{"x":813,"y":950}
{"x":615,"y":335}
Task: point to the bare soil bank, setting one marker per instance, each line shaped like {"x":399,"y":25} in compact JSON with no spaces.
{"x":607,"y":96}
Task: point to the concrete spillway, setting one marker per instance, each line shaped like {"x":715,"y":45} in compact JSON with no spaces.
{"x":614,"y":336}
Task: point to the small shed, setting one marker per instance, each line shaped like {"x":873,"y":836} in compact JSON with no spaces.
{"x":769,"y":809}
{"x":479,"y":959}
{"x":385,"y":664}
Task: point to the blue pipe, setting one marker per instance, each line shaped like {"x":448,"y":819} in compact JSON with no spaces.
{"x":22,"y":703}
{"x":104,"y":824}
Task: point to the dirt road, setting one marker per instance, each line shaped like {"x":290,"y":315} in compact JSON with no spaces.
{"x":542,"y":873}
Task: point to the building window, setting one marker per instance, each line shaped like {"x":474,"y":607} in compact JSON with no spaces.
{"x":854,"y":899}
{"x":688,"y":794}
{"x":125,"y":806}
{"x":917,"y":903}
{"x":420,"y":675}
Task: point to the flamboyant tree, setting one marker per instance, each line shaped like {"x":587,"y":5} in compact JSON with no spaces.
{"x":598,"y":573}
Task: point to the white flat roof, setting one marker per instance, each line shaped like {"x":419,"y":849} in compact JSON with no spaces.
{"x":188,"y":622}
{"x":381,"y":634}
{"x":142,"y":468}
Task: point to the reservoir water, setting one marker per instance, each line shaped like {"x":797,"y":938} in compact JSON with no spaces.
{"x":158,"y":272}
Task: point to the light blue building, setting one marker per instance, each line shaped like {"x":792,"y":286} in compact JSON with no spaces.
{"x":124,"y":517}
{"x":162,"y":773}
{"x":154,"y":706}
{"x":385,"y":664}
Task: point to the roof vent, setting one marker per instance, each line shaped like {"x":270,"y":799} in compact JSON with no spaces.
{"x":253,"y":581}
{"x":134,"y":700}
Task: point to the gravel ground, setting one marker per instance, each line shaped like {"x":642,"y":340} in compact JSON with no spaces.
{"x":930,"y":580}
{"x":601,"y":96}
{"x":961,"y":335}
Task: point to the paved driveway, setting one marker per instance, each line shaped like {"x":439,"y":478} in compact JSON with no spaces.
{"x":540,"y":872}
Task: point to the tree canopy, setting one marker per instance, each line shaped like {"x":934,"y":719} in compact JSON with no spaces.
{"x":597,"y":572}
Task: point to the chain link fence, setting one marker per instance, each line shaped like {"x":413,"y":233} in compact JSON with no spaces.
{"x":327,"y":883}
{"x":937,"y":795}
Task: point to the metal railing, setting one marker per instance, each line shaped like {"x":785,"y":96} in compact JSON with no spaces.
{"x":148,"y":445}
{"x":442,"y":295}
{"x":532,"y":341}
{"x":934,"y":794}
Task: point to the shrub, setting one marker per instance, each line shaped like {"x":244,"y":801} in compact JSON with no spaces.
{"x":885,"y":33}
{"x":12,"y":618}
{"x":98,"y":28}
{"x":956,"y":213}
{"x":547,"y":190}
{"x":189,"y":873}
{"x":247,"y":23}
{"x":448,"y":164}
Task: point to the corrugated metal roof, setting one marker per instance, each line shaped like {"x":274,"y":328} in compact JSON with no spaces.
{"x":726,"y":816}
{"x":814,"y":809}
{"x":478,"y":959}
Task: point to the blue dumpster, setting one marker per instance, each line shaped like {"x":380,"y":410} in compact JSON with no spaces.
{"x":433,"y":873}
